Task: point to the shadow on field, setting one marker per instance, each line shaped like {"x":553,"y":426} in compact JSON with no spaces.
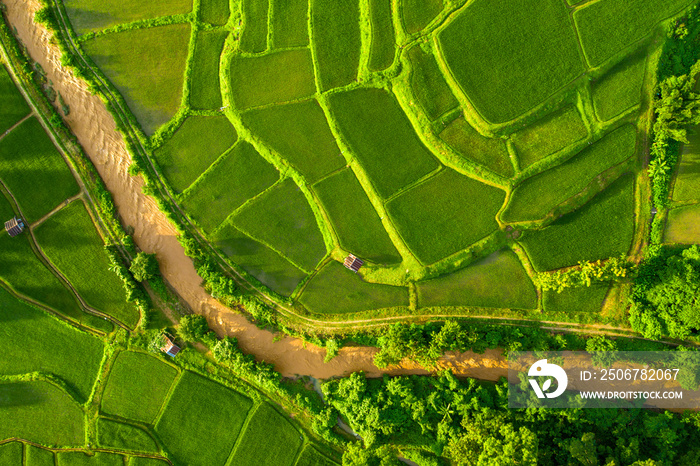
{"x":19,"y":394}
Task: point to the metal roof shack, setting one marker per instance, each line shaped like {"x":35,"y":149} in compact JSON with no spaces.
{"x":169,"y":348}
{"x":15,"y":226}
{"x":353,"y":263}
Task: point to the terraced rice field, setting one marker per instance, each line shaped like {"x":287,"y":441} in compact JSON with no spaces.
{"x":411,"y":134}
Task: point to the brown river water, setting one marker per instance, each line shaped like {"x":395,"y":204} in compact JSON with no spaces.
{"x":95,"y":129}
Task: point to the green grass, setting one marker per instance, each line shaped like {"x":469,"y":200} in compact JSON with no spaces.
{"x":540,"y":194}
{"x":140,"y":461}
{"x":586,"y":299}
{"x":201,"y":412}
{"x":300,"y":134}
{"x":504,"y":80}
{"x":214,"y":12}
{"x":607,"y":27}
{"x":416,"y":14}
{"x":549,"y":135}
{"x":254,"y":36}
{"x":206,"y":88}
{"x":489,"y":152}
{"x":601,"y":229}
{"x":311,"y":457}
{"x":620,"y":89}
{"x":273,"y":270}
{"x":337,"y":42}
{"x":354,"y":219}
{"x":236,"y":177}
{"x":70,"y":241}
{"x":29,"y":160}
{"x":111,"y":434}
{"x":687,"y":183}
{"x":683,"y":225}
{"x":11,"y":454}
{"x":137,"y":386}
{"x":193,"y":148}
{"x":383,"y":42}
{"x":40,"y":412}
{"x":283,"y":219}
{"x":391,"y":153}
{"x":35,"y":456}
{"x":12,"y":105}
{"x":273,"y":78}
{"x":428,"y":84}
{"x":289,"y":23}
{"x":95,"y":15}
{"x":147,"y":66}
{"x":455,"y":211}
{"x":31,"y":340}
{"x":267,"y":427}
{"x":337,"y":290}
{"x":482,"y":285}
{"x":78,"y":458}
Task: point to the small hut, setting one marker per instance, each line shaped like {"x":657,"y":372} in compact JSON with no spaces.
{"x":169,"y":348}
{"x":353,"y":263}
{"x":15,"y":226}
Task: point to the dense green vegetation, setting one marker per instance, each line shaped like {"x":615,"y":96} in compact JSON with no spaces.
{"x":416,"y":14}
{"x":428,"y":84}
{"x":12,"y":105}
{"x":214,"y":12}
{"x":111,"y":434}
{"x":71,"y":242}
{"x":206,"y":86}
{"x":620,"y":89}
{"x":289,"y":23}
{"x":254,"y":36}
{"x":383,"y":46}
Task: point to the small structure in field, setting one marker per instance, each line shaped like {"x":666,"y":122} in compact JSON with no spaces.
{"x":353,"y":263}
{"x":15,"y":226}
{"x":169,"y":348}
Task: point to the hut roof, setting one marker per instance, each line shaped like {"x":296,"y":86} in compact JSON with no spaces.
{"x":169,"y":348}
{"x":14,"y":226}
{"x":353,"y":263}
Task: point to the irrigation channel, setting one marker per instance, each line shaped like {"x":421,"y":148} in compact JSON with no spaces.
{"x":96,"y":130}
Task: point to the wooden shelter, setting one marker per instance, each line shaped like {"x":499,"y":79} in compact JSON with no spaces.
{"x":15,"y":226}
{"x":169,"y":348}
{"x":353,"y":263}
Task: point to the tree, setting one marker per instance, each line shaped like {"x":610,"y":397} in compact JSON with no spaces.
{"x":144,"y":267}
{"x":193,"y":327}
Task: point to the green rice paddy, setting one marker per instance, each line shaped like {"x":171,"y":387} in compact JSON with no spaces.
{"x":254,"y":37}
{"x":620,"y":89}
{"x":428,"y":84}
{"x":12,"y":105}
{"x":383,"y":46}
{"x":214,"y":12}
{"x":289,"y":23}
{"x":95,"y":15}
{"x":683,"y":225}
{"x":416,"y":14}
{"x":111,"y":434}
{"x":206,"y":87}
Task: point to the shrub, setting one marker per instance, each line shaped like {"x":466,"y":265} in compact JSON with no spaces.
{"x":193,"y":327}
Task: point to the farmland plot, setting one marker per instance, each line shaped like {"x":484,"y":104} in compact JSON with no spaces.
{"x":94,"y":15}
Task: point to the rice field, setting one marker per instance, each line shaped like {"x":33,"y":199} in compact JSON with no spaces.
{"x":11,"y":453}
{"x":383,"y":42}
{"x":686,"y":186}
{"x":428,"y":84}
{"x":137,"y":386}
{"x":683,"y":225}
{"x":73,"y":245}
{"x":585,"y":299}
{"x":539,"y":195}
{"x":254,"y":36}
{"x":28,"y":341}
{"x":503,"y":81}
{"x":28,"y":159}
{"x":214,"y":416}
{"x":345,"y":201}
{"x":391,"y":153}
{"x":206,"y":87}
{"x":300,"y":134}
{"x":12,"y":105}
{"x":311,"y":457}
{"x":36,"y":456}
{"x":601,"y":229}
{"x":416,"y":14}
{"x":288,"y":22}
{"x":239,"y":175}
{"x":620,"y":89}
{"x":95,"y":15}
{"x":273,"y":78}
{"x":214,"y":12}
{"x":119,"y":436}
{"x":549,"y":135}
{"x":479,"y":285}
{"x":445,"y":210}
{"x":193,"y":147}
{"x":336,"y":41}
{"x":283,"y":219}
{"x":153,"y":89}
{"x":336,"y":290}
{"x":488,"y":152}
